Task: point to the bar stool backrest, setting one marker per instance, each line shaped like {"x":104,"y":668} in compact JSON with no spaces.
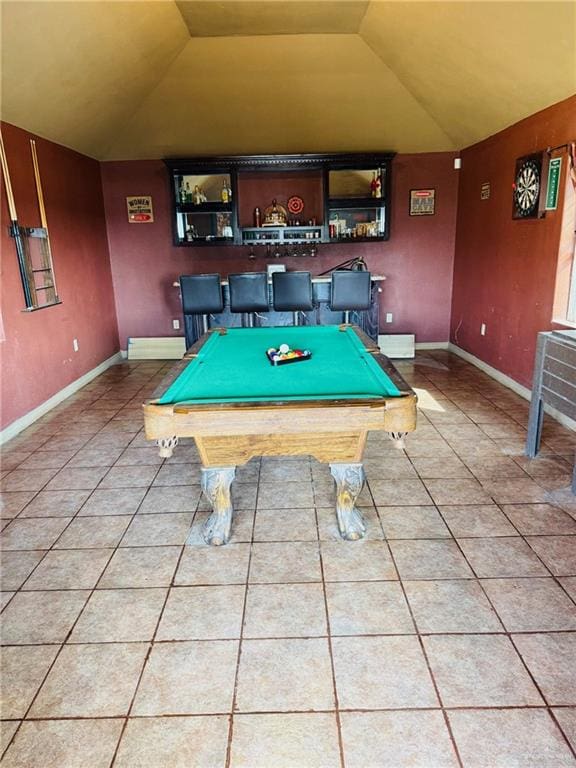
{"x":249,"y":292}
{"x":201,"y":294}
{"x":350,"y":290}
{"x":292,"y":291}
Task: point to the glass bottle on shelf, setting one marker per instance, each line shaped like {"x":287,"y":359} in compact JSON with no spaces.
{"x":224,"y":193}
{"x":187,"y":194}
{"x":257,"y":217}
{"x":378,"y":189}
{"x":197,"y":196}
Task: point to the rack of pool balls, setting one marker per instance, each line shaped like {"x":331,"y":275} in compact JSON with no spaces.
{"x":284,"y":355}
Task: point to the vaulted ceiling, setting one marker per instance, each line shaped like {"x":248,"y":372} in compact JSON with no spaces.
{"x":140,"y":79}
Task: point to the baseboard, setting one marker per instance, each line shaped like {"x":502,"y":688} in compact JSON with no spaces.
{"x":36,"y":413}
{"x":432,"y":344}
{"x":524,"y":392}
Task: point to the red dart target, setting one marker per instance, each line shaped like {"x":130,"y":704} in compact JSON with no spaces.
{"x":295,"y":204}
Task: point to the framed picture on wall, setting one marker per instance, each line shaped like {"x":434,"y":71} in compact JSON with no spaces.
{"x":422,"y":202}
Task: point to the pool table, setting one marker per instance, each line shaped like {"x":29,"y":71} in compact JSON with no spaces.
{"x":227,"y":395}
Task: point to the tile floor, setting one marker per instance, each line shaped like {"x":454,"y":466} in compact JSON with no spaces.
{"x":446,"y":638}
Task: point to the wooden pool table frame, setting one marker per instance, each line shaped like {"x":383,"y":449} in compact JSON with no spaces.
{"x":228,"y":434}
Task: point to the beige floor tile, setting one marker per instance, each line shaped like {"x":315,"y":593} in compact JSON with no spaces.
{"x":539,"y":519}
{"x":567,"y":719}
{"x":428,"y":448}
{"x":551,"y":658}
{"x":285,"y":675}
{"x":64,"y":744}
{"x":202,"y":613}
{"x":447,"y":467}
{"x":285,"y":562}
{"x":477,"y":521}
{"x":501,"y":557}
{"x":557,"y":552}
{"x":12,"y":502}
{"x":22,"y":671}
{"x":77,"y":478}
{"x":513,"y":737}
{"x":515,"y":491}
{"x":33,"y":534}
{"x":451,"y":606}
{"x":188,"y":678}
{"x":396,"y":740}
{"x":174,"y":742}
{"x":569,"y":584}
{"x":91,"y":681}
{"x":7,"y":730}
{"x":26,"y":479}
{"x":119,"y":615}
{"x":362,"y":560}
{"x":370,"y":608}
{"x":114,"y":501}
{"x":429,"y":559}
{"x":92,"y":532}
{"x":285,"y":524}
{"x":95,"y":457}
{"x":457,"y":492}
{"x":179,"y":498}
{"x":281,"y":471}
{"x":531,"y":605}
{"x":47,"y":460}
{"x":12,"y":459}
{"x":399,"y":492}
{"x":388,"y":468}
{"x":140,"y":567}
{"x":129,"y":477}
{"x":139,"y":456}
{"x":479,"y":671}
{"x":15,"y":567}
{"x":493,"y":467}
{"x":213,"y":565}
{"x":285,"y":610}
{"x":412,"y":523}
{"x":328,"y":524}
{"x":381,"y":672}
{"x":169,"y":529}
{"x":55,"y":504}
{"x":41,"y":617}
{"x":69,"y":569}
{"x":5,"y":598}
{"x":261,"y":741}
{"x":178,"y":474}
{"x":285,"y":495}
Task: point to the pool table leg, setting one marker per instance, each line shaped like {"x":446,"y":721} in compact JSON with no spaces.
{"x":398,"y":438}
{"x":349,"y":481}
{"x":216,"y":482}
{"x":166,"y":446}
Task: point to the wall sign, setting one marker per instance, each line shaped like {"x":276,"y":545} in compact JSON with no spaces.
{"x":485,"y":191}
{"x":554,"y":170}
{"x":140,"y":209}
{"x":422,"y":202}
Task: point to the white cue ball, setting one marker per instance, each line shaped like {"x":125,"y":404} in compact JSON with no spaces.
{"x":283,"y":348}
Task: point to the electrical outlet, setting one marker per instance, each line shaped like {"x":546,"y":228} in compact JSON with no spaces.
{"x":483,"y":329}
{"x":75,"y":345}
{"x":388,"y":317}
{"x":176,"y":325}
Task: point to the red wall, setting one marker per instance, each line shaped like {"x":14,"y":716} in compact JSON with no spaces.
{"x":417,"y":260}
{"x":37,"y":355}
{"x":505,"y":268}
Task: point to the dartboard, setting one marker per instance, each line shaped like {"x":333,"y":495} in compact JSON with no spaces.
{"x":527,"y":186}
{"x":295,"y":204}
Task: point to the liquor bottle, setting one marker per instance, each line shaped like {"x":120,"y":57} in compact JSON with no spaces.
{"x":224,"y":193}
{"x":374,"y":185}
{"x":197,"y":196}
{"x":187,"y":194}
{"x":257,"y":217}
{"x":378,"y":188}
{"x":182,"y":192}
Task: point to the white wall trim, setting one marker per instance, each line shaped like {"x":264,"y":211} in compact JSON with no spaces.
{"x":36,"y":413}
{"x":432,"y":344}
{"x":510,"y":383}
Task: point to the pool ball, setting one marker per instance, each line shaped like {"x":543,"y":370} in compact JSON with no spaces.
{"x":283,"y":349}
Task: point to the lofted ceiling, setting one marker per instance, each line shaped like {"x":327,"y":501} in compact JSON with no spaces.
{"x":149,"y":79}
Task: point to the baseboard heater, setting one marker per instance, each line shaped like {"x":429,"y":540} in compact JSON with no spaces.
{"x":156,"y":348}
{"x":397,"y":344}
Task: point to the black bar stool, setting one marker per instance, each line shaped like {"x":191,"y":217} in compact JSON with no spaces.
{"x":201,"y":295}
{"x":350,"y":290}
{"x":249,"y":294}
{"x":292,"y":292}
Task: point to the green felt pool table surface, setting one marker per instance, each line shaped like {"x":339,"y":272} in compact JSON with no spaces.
{"x":231,"y":366}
